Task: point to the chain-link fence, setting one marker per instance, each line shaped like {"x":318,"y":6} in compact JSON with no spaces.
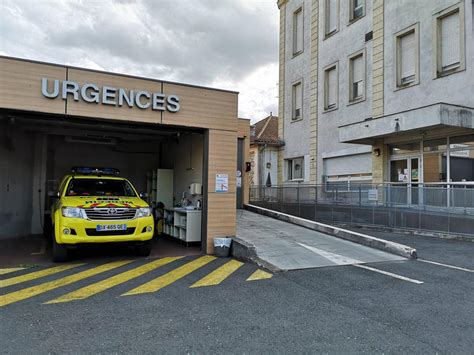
{"x":447,"y":208}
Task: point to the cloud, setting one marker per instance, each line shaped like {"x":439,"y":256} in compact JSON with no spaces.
{"x":231,"y":44}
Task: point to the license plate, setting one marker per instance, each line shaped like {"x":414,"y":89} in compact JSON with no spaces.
{"x":110,"y":227}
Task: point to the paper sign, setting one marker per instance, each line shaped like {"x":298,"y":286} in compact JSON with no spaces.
{"x":222,"y":183}
{"x":373,"y":195}
{"x":239,"y":182}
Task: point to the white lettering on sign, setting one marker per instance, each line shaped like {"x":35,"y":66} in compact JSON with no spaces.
{"x":107,"y":95}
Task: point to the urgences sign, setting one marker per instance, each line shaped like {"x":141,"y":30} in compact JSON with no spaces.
{"x":107,"y":95}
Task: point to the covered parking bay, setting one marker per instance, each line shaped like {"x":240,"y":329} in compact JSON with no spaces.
{"x":43,"y":137}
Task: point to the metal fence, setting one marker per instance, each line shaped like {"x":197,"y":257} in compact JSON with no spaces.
{"x":447,"y":208}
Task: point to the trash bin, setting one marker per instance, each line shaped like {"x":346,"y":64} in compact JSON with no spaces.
{"x":222,"y":247}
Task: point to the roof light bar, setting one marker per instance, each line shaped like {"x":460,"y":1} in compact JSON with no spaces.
{"x":95,"y":171}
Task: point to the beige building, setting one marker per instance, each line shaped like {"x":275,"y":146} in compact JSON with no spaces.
{"x":54,"y":117}
{"x":375,"y":91}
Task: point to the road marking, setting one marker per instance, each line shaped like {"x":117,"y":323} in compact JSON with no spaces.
{"x":259,"y":275}
{"x":48,"y":286}
{"x":445,"y":265}
{"x":171,"y":277}
{"x":389,"y":274}
{"x":36,"y":275}
{"x":103,"y":285}
{"x":335,"y":258}
{"x":218,"y":275}
{"x":9,"y":270}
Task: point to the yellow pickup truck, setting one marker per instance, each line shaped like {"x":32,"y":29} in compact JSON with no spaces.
{"x":95,"y":205}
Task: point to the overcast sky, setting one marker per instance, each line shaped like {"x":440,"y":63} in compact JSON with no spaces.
{"x":228,"y":44}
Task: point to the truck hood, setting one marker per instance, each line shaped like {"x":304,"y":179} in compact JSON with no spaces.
{"x":103,"y":201}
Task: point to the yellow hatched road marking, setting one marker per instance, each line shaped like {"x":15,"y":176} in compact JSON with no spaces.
{"x":260,"y":275}
{"x":219,"y":275}
{"x":103,"y":285}
{"x":10,"y":269}
{"x":172,"y":276}
{"x":48,"y":286}
{"x":36,"y":275}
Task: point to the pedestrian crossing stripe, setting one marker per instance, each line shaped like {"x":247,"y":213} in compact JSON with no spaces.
{"x":103,"y":285}
{"x":36,"y":275}
{"x":260,"y":275}
{"x":172,"y":276}
{"x":51,"y":285}
{"x":219,"y":275}
{"x":213,"y":278}
{"x":10,"y":270}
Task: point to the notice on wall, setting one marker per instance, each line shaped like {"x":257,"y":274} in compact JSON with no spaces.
{"x":222,"y":183}
{"x":373,"y":195}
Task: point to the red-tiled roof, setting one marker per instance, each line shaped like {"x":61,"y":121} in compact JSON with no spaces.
{"x":265,"y":132}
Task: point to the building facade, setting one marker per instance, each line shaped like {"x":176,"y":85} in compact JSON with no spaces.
{"x":376,"y":91}
{"x":55,"y":117}
{"x":264,"y":148}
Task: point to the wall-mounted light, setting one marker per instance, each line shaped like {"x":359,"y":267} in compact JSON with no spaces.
{"x":377,"y":152}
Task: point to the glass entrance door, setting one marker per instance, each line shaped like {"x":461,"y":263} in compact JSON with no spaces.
{"x":405,"y":176}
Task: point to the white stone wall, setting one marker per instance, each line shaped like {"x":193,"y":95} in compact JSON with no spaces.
{"x":456,"y":89}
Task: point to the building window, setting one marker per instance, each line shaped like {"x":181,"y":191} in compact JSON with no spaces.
{"x":298,"y":31}
{"x":449,"y":45}
{"x":331,"y":87}
{"x":297,"y":101}
{"x":357,"y":77}
{"x":295,"y":169}
{"x":331,"y":17}
{"x":407,"y":57}
{"x":357,"y":10}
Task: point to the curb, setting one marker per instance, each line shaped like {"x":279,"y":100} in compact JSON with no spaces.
{"x":408,"y":231}
{"x":359,"y":238}
{"x":244,"y":251}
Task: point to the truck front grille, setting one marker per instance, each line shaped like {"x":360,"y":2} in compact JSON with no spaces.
{"x":110,"y":213}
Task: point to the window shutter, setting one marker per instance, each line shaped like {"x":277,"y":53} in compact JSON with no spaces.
{"x":450,"y":42}
{"x":331,"y":17}
{"x":332,"y":85}
{"x":297,"y":100}
{"x":299,"y":31}
{"x":358,"y":76}
{"x":407,"y":56}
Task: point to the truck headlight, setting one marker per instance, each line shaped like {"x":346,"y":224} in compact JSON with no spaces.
{"x":143,"y":212}
{"x":72,"y":212}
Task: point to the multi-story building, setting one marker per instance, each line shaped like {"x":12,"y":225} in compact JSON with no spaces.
{"x":376,"y":91}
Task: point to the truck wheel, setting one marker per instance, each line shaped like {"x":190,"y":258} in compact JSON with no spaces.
{"x":59,"y":252}
{"x":143,"y":249}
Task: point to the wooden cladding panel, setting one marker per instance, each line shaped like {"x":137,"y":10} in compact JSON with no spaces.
{"x":221,"y":206}
{"x":222,"y":214}
{"x":135,"y":114}
{"x":222,"y":157}
{"x":20,"y":86}
{"x":202,"y":108}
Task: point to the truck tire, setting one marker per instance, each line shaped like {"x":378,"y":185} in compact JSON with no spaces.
{"x":59,"y":252}
{"x":143,"y":249}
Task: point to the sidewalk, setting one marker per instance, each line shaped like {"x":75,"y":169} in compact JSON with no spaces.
{"x":289,"y":247}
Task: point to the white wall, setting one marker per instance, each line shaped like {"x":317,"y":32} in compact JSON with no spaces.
{"x":297,"y":134}
{"x":336,"y":48}
{"x":457,"y":88}
{"x":185,"y":157}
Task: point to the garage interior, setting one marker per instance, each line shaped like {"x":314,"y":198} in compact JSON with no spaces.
{"x":165,"y":163}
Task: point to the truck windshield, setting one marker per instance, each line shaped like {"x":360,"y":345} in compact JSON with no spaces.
{"x":99,"y":187}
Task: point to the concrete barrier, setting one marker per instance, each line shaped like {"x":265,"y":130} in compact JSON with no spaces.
{"x":359,"y":238}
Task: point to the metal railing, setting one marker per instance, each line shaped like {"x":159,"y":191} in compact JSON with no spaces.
{"x":441,"y":207}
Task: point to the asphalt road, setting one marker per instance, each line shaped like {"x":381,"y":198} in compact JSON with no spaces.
{"x":330,"y":309}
